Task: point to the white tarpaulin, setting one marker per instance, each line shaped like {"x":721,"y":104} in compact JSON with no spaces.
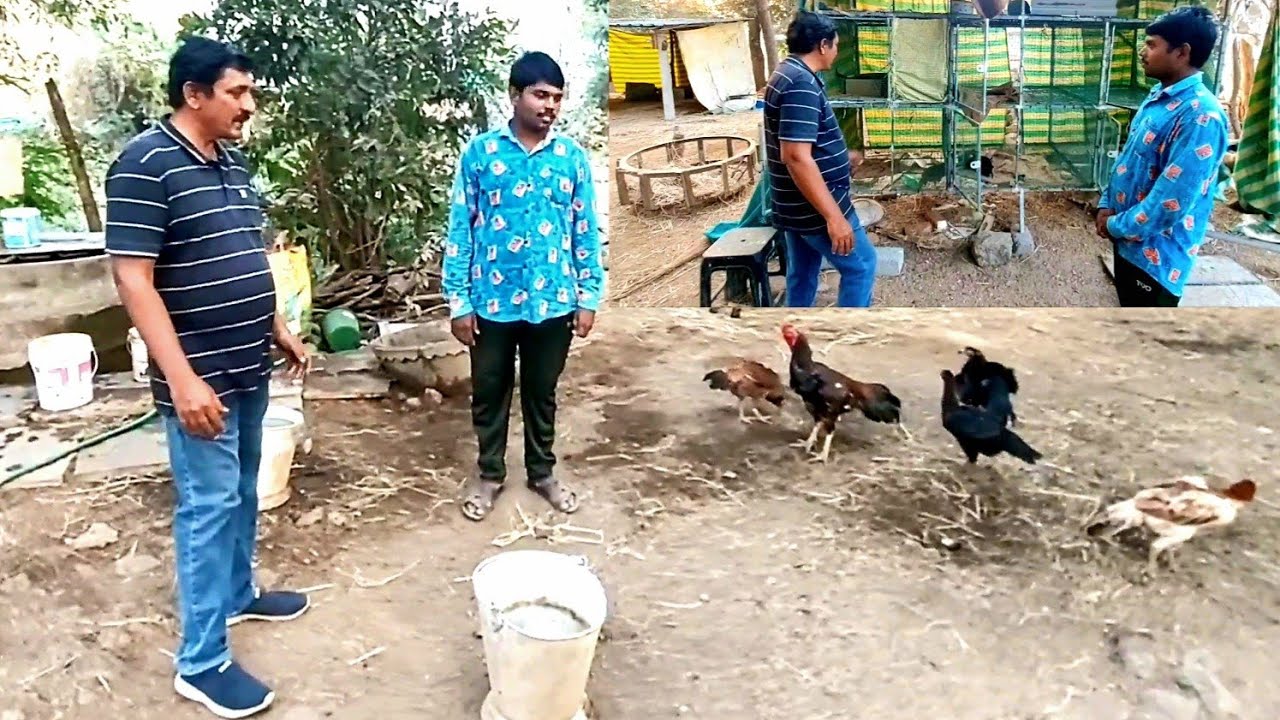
{"x":718,"y":59}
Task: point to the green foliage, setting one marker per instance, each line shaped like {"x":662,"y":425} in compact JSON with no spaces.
{"x":365,"y":108}
{"x":588,"y":122}
{"x":24,"y":63}
{"x":48,"y":181}
{"x":107,"y":97}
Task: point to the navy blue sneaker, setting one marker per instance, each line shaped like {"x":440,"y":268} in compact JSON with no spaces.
{"x":274,"y":606}
{"x":227,"y":691}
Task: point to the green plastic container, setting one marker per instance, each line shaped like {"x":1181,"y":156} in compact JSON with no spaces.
{"x":341,"y":330}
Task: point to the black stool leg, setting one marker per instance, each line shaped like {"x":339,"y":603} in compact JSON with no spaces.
{"x":704,"y":285}
{"x":761,"y":281}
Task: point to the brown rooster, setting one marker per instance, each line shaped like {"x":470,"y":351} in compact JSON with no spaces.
{"x":1176,"y":511}
{"x":828,"y":394}
{"x":750,"y":382}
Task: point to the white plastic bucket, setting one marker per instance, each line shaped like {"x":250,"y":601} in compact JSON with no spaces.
{"x":540,"y":615}
{"x":21,"y":227}
{"x":64,"y":365}
{"x":138,"y":354}
{"x":280,"y":428}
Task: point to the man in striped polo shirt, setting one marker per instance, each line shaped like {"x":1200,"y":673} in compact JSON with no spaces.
{"x":184,"y":229}
{"x":810,"y":167}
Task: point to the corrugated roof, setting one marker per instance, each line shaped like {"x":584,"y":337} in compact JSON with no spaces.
{"x":669,"y":23}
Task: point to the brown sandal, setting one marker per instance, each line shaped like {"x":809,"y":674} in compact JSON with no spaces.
{"x":556,"y":493}
{"x":478,"y":502}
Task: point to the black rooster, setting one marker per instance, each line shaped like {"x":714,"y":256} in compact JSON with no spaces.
{"x":978,"y":430}
{"x":987,"y":384}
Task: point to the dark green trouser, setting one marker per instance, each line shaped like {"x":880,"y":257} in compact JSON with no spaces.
{"x":543,"y":349}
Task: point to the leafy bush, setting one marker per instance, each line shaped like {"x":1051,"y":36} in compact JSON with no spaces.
{"x":366,"y":104}
{"x":48,"y":180}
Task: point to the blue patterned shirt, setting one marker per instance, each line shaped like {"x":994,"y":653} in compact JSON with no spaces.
{"x":1161,"y":185}
{"x":523,"y":240}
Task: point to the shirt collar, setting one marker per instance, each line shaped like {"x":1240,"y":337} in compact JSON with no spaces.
{"x":1184,"y":85}
{"x":166,"y":126}
{"x":506,"y":132}
{"x":805,"y":66}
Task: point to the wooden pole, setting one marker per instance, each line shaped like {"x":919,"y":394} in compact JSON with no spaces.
{"x":757,"y":53}
{"x":770,"y":36}
{"x":663,"y":41}
{"x":74,"y":156}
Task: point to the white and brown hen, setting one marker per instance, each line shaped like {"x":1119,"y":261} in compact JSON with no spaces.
{"x":1175,"y":511}
{"x":752,"y":383}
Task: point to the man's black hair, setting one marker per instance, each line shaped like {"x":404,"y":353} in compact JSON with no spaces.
{"x":533,"y":68}
{"x":202,"y":61}
{"x":808,"y":31}
{"x":1191,"y":25}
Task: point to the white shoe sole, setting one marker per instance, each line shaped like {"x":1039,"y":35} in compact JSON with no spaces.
{"x":190,"y":692}
{"x":268,"y":618}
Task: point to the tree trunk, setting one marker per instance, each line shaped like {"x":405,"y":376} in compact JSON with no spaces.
{"x":770,"y":37}
{"x":757,"y":54}
{"x":75,"y":157}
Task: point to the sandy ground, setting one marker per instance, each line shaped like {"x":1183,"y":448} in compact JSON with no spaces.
{"x":1064,"y":272}
{"x":745,"y":582}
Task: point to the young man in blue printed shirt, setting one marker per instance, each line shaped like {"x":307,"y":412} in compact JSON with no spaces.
{"x":522,"y":274}
{"x":1156,"y":208}
{"x":809,"y":165}
{"x":184,"y":232}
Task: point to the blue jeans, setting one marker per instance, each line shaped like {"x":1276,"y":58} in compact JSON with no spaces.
{"x":215,"y":526}
{"x":804,"y":263}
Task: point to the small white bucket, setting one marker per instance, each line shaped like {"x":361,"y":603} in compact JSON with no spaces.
{"x":280,"y":428}
{"x":540,"y":615}
{"x":138,"y":354}
{"x":63,"y":365}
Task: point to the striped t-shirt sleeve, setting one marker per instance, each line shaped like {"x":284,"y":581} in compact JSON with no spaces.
{"x":137,"y":209}
{"x":799,"y":108}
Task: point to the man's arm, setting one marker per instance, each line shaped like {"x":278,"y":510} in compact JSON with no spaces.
{"x":460,"y":245}
{"x":586,"y":239}
{"x":137,"y":215}
{"x":1195,"y":151}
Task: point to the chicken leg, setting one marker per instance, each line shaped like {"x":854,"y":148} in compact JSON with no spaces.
{"x":825,"y":455}
{"x":813,"y":438}
{"x":755,"y":410}
{"x":742,"y":411}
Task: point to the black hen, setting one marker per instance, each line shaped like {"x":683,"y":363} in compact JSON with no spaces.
{"x":978,"y":430}
{"x":987,"y":384}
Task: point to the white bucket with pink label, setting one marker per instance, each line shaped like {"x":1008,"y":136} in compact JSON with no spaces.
{"x":64,"y":365}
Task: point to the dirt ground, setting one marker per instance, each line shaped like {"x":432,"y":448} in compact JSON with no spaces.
{"x":745,"y":582}
{"x":1063,"y":272}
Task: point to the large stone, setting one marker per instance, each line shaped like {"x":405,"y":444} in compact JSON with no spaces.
{"x":992,"y":249}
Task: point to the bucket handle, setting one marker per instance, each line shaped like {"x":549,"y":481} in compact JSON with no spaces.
{"x":93,"y":354}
